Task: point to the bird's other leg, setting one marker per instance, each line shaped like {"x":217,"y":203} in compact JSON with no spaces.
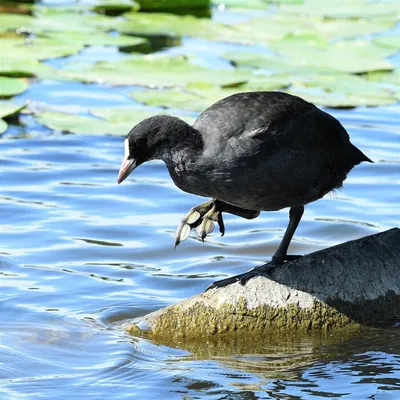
{"x":278,"y":258}
{"x":202,"y":218}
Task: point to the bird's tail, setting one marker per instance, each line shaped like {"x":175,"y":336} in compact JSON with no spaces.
{"x":359,"y":156}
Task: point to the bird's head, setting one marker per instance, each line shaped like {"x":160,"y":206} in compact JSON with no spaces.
{"x":153,"y":138}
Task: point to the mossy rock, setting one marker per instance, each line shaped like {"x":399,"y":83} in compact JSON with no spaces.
{"x":338,"y":288}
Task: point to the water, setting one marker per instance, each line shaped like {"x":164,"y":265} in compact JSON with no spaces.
{"x":79,"y":255}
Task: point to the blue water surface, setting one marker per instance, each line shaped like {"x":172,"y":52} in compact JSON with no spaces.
{"x":79,"y":255}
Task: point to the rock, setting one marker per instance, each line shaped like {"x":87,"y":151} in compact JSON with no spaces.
{"x":346,"y":286}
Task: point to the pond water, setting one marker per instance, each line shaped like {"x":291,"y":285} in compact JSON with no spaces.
{"x":79,"y":255}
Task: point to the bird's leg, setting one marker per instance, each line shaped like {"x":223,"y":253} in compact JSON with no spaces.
{"x":278,"y":258}
{"x":202,"y":218}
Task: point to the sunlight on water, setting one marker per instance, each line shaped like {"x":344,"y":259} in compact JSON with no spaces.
{"x":79,"y":255}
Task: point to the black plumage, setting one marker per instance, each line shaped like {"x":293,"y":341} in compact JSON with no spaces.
{"x":249,"y":152}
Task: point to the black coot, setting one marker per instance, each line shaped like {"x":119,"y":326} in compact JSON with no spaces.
{"x":249,"y":152}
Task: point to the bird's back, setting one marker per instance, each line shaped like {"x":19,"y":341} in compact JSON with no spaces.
{"x":269,"y":150}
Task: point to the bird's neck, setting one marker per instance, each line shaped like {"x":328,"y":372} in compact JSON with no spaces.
{"x":177,"y":141}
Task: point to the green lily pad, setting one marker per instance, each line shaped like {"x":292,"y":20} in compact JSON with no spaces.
{"x":3,"y":126}
{"x":98,"y":39}
{"x":15,"y":21}
{"x":56,"y":19}
{"x":15,"y":68}
{"x":174,"y":99}
{"x":115,"y":7}
{"x":344,"y":9}
{"x":77,"y":124}
{"x":200,"y":97}
{"x":110,"y":121}
{"x":389,"y":80}
{"x":346,"y":56}
{"x":263,"y":30}
{"x":133,"y":116}
{"x":152,"y":24}
{"x":342,"y":91}
{"x":157,"y":71}
{"x":393,"y":42}
{"x":385,"y":77}
{"x":38,"y":48}
{"x":254,"y":4}
{"x":8,"y":108}
{"x":156,"y":5}
{"x":11,"y":86}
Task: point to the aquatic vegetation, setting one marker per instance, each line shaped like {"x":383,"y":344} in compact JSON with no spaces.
{"x":334,"y":55}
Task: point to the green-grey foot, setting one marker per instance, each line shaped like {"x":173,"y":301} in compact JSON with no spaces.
{"x":202,"y":219}
{"x":245,"y":277}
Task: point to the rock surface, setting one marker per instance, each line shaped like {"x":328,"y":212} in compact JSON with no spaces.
{"x":352,"y":284}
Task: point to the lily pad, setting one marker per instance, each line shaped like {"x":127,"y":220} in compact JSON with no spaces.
{"x":346,"y":56}
{"x":254,"y":4}
{"x":391,"y":41}
{"x":266,"y":29}
{"x":344,"y":9}
{"x":77,"y":124}
{"x":8,"y":108}
{"x":198,"y":98}
{"x":342,"y":91}
{"x":98,"y":39}
{"x":156,"y":5}
{"x":56,"y":19}
{"x":11,"y":86}
{"x":152,"y":24}
{"x":132,"y":116}
{"x":28,"y":68}
{"x":38,"y":48}
{"x":157,"y":71}
{"x":3,"y":126}
{"x":115,"y":7}
{"x":173,"y":99}
{"x":110,"y":121}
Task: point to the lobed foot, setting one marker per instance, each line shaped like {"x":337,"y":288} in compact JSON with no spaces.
{"x":202,"y":219}
{"x":245,"y":277}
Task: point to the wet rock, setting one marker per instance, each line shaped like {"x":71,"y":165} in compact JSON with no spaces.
{"x":346,"y":286}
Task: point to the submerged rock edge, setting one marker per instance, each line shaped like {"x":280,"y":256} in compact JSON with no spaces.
{"x":204,"y":320}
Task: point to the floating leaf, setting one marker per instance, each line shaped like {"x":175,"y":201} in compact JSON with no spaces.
{"x":110,"y":122}
{"x":345,"y":56}
{"x":342,"y":91}
{"x":200,"y":97}
{"x":38,"y":48}
{"x":154,"y":5}
{"x":173,"y":99}
{"x":393,"y":42}
{"x":99,"y":39}
{"x":159,"y":71}
{"x":254,"y":4}
{"x":11,"y":86}
{"x":132,"y":116}
{"x":8,"y":108}
{"x":264,"y":30}
{"x":15,"y":68}
{"x":344,"y":9}
{"x":241,"y":5}
{"x":3,"y":126}
{"x":151,"y":24}
{"x":76,"y":124}
{"x":115,"y":7}
{"x":56,"y":19}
